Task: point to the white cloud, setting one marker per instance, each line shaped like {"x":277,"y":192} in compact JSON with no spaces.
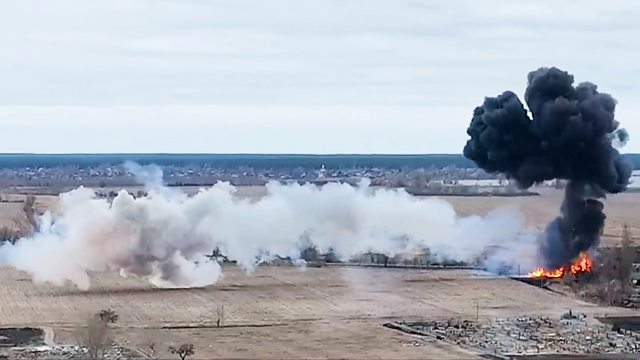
{"x":84,"y":64}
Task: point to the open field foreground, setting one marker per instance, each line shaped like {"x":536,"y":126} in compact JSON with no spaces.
{"x":283,"y":312}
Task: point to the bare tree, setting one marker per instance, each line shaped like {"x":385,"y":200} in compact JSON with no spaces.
{"x":220,"y":315}
{"x":29,"y":210}
{"x":25,"y":223}
{"x":94,"y":336}
{"x":9,"y":234}
{"x":310,"y":253}
{"x":108,"y":316}
{"x":183,"y":351}
{"x":613,"y":291}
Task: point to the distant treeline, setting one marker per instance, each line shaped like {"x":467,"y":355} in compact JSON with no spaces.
{"x":263,"y":161}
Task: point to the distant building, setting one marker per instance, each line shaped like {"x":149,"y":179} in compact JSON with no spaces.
{"x":322,"y":173}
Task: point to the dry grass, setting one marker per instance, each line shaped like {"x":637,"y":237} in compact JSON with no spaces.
{"x":282,"y":312}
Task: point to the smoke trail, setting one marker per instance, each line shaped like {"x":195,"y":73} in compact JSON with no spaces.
{"x":163,"y":238}
{"x":569,"y":137}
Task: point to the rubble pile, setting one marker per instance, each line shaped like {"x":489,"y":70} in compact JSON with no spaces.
{"x":66,"y":352}
{"x":533,"y":335}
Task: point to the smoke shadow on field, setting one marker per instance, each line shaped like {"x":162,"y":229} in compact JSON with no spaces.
{"x":120,"y":291}
{"x":257,"y":287}
{"x":428,"y":280}
{"x":157,"y":290}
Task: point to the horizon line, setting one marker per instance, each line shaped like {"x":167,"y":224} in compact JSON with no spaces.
{"x":237,"y":153}
{"x":224,"y":153}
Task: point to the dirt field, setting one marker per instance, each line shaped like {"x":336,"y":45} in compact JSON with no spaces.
{"x":537,"y":210}
{"x":540,"y":210}
{"x":283,"y":312}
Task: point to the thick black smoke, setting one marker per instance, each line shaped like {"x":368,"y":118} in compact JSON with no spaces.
{"x":568,"y":136}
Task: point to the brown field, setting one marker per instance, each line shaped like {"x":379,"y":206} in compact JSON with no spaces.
{"x":537,"y":210}
{"x":283,"y":312}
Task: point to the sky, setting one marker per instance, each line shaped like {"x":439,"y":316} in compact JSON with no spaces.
{"x":292,"y":76}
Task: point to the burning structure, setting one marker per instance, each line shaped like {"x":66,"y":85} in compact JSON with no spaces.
{"x":570,"y":135}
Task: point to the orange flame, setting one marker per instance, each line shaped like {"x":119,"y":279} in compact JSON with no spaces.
{"x":583,"y":264}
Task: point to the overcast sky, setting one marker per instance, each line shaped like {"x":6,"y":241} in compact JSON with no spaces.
{"x":292,"y":76}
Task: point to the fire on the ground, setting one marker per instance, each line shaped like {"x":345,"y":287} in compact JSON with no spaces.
{"x":583,"y":264}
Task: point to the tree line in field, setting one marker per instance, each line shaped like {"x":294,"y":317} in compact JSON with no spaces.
{"x":251,"y":160}
{"x":264,"y":161}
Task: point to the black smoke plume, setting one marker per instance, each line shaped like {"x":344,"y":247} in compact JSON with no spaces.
{"x":568,"y":136}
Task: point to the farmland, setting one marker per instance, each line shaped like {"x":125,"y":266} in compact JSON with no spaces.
{"x":288,"y":312}
{"x":283,"y":312}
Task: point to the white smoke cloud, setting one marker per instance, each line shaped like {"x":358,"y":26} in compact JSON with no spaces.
{"x":163,"y":238}
{"x":619,"y":138}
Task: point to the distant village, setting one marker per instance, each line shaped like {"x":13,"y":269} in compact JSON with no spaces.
{"x":430,"y":181}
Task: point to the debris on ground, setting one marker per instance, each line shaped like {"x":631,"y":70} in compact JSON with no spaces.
{"x":526,"y":335}
{"x":66,"y":352}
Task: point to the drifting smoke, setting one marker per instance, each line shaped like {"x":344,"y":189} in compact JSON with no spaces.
{"x":163,"y":237}
{"x":571,"y":135}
